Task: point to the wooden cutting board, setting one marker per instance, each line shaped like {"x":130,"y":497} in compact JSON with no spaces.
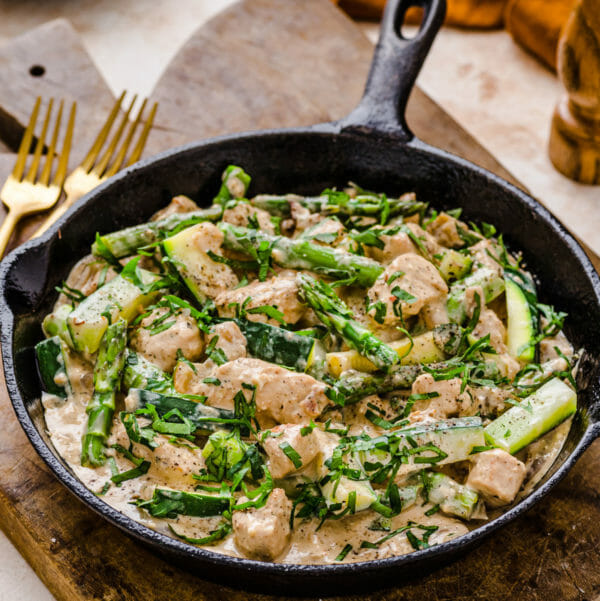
{"x":264,"y":63}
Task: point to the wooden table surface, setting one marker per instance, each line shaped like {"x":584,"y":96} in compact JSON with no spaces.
{"x":551,"y":554}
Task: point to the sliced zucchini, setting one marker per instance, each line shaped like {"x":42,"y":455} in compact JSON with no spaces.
{"x":437,"y":443}
{"x":126,"y":242}
{"x":491,"y":283}
{"x":51,"y":365}
{"x":55,"y":324}
{"x":424,"y":350}
{"x":520,"y":323}
{"x":452,"y":497}
{"x":120,"y":298}
{"x":280,"y":346}
{"x":339,"y":491}
{"x":546,"y":408}
{"x":454,"y":265}
{"x":167,"y":503}
{"x":195,"y":266}
{"x":141,"y":373}
{"x":206,"y":419}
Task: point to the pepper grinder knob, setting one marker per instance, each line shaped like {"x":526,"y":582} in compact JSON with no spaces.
{"x":574,"y":146}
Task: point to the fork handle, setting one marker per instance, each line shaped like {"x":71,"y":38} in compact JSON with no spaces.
{"x":7,"y":228}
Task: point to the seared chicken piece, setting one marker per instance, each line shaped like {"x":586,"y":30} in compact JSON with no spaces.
{"x":244,"y":212}
{"x":278,"y":292}
{"x":497,"y":475}
{"x":413,"y":275}
{"x":160,"y":347}
{"x":282,"y":396}
{"x":264,"y":533}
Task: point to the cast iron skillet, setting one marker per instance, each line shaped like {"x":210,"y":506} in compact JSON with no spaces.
{"x":372,"y":146}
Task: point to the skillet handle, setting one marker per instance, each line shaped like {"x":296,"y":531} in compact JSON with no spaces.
{"x":396,"y":64}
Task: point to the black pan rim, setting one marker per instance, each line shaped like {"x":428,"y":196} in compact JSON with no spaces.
{"x":208,"y":557}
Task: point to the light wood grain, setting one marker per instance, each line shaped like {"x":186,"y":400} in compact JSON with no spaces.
{"x":575,"y":134}
{"x":548,"y":555}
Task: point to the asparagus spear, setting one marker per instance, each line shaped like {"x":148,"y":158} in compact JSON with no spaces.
{"x":107,"y":375}
{"x":302,"y":254}
{"x":334,"y":314}
{"x":235,"y":185}
{"x":340,"y":203}
{"x":355,"y":385}
{"x":127,"y":241}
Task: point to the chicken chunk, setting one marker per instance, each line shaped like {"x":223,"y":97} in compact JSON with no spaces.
{"x":230,"y":339}
{"x":419,"y":281}
{"x":169,"y":463}
{"x":497,"y":475}
{"x":481,"y":258}
{"x":393,"y":246}
{"x":161,"y":347}
{"x":179,"y":204}
{"x":490,"y":323}
{"x":244,"y":212}
{"x":548,"y":347}
{"x":443,"y":229}
{"x":307,"y":446}
{"x":278,"y":292}
{"x":302,"y":217}
{"x":86,"y":276}
{"x":282,"y":396}
{"x":449,"y":402}
{"x":264,"y":533}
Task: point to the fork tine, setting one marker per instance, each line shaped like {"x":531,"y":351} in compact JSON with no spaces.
{"x":116,"y":165}
{"x":41,"y":142}
{"x":103,"y":162}
{"x":25,"y":145}
{"x":63,"y":161}
{"x":39,"y":147}
{"x":45,"y":176}
{"x":94,"y":151}
{"x":139,"y":147}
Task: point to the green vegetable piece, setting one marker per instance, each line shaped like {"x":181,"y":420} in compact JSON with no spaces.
{"x":52,"y":366}
{"x":120,"y":298}
{"x":128,"y":241}
{"x":55,"y":324}
{"x":235,"y":184}
{"x":546,"y":408}
{"x":491,"y":283}
{"x":452,"y":497}
{"x":167,"y":503}
{"x":280,"y":346}
{"x":336,"y":316}
{"x":107,"y":378}
{"x":303,"y":254}
{"x":454,"y":265}
{"x":206,"y":419}
{"x":141,"y":373}
{"x":223,"y":451}
{"x":521,"y":327}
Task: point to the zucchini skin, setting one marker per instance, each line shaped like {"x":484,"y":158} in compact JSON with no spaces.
{"x":87,"y":323}
{"x":521,"y":324}
{"x":546,"y":408}
{"x":196,"y":412}
{"x":50,"y":363}
{"x":276,"y":345}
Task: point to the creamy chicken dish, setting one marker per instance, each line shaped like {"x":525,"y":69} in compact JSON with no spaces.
{"x":323,"y":379}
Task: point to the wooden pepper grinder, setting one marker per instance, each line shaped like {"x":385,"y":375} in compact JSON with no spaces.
{"x":575,"y":134}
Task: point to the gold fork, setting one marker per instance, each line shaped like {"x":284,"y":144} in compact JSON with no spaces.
{"x":92,"y":170}
{"x":25,"y":195}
